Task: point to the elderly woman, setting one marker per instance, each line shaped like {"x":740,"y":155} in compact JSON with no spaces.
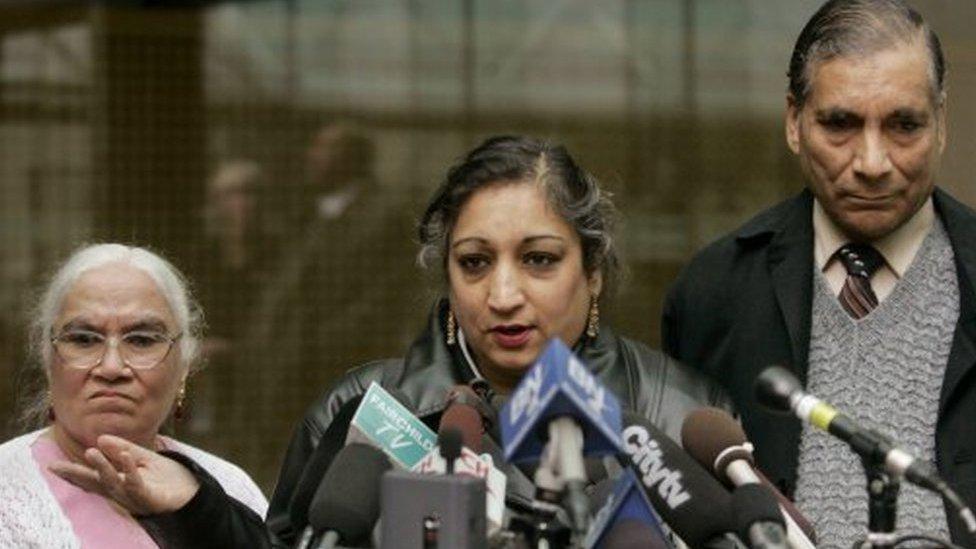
{"x":116,"y":335}
{"x":524,"y":239}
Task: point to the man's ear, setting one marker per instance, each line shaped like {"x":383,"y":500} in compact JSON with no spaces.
{"x":792,"y":123}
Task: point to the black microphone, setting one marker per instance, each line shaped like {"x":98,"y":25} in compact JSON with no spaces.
{"x":686,"y":496}
{"x":719,"y":444}
{"x":336,"y":436}
{"x":330,"y":443}
{"x":346,"y":505}
{"x":758,"y":518}
{"x":450,"y":442}
{"x":466,"y":413}
{"x":779,"y":390}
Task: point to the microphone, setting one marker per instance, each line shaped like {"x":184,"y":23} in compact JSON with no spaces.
{"x":686,"y":496}
{"x":330,"y":443}
{"x":757,"y":517}
{"x":451,"y":457}
{"x":560,"y":404}
{"x":347,"y":502}
{"x":384,"y":422}
{"x":626,"y":518}
{"x":449,"y":447}
{"x":778,"y":390}
{"x":466,"y":415}
{"x":718,"y":443}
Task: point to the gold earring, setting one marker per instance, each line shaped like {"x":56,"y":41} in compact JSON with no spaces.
{"x":50,"y":407}
{"x":179,"y":411}
{"x":451,"y":327}
{"x":593,"y":321}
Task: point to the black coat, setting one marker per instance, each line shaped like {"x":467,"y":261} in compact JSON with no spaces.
{"x":646,"y":382}
{"x":744,"y":303}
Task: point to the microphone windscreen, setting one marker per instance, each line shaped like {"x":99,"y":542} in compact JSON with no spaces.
{"x":330,"y":443}
{"x":709,"y":434}
{"x":752,"y":503}
{"x":348,"y":499}
{"x":465,"y":419}
{"x":774,"y":387}
{"x":451,"y":442}
{"x":632,"y":534}
{"x":688,"y":498}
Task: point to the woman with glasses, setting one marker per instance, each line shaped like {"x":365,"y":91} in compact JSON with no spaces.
{"x":116,"y":334}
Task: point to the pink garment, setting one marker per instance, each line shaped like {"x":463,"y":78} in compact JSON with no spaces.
{"x":95,"y":522}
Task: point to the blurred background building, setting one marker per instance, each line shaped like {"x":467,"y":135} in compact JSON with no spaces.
{"x":279,"y":151}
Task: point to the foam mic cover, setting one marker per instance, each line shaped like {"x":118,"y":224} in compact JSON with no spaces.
{"x":686,"y":496}
{"x":715,"y":440}
{"x":632,"y":534}
{"x":348,"y":499}
{"x":330,"y":443}
{"x":755,"y":512}
{"x":465,"y":419}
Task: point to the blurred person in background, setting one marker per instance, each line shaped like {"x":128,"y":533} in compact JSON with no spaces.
{"x":336,"y":296}
{"x":240,"y":251}
{"x":115,"y":336}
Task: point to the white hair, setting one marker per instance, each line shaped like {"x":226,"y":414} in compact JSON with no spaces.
{"x":168,"y":279}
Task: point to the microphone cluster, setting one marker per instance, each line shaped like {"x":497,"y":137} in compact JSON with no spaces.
{"x":389,"y":481}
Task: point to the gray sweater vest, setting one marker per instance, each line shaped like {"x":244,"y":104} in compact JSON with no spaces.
{"x":886,"y":372}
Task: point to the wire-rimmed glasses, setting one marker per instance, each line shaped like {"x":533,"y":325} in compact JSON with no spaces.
{"x":139,"y":350}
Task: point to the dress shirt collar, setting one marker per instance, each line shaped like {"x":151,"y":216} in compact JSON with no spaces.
{"x":898,"y":248}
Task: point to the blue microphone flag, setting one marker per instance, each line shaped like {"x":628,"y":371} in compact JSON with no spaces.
{"x":559,"y":384}
{"x":627,"y":501}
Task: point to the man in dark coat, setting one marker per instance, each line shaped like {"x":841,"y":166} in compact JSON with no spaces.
{"x":895,"y":342}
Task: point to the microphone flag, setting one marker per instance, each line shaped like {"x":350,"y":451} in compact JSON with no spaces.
{"x":384,"y":422}
{"x":626,"y":501}
{"x":559,"y":384}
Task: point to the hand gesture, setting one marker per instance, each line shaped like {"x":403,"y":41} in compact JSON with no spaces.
{"x":140,"y":480}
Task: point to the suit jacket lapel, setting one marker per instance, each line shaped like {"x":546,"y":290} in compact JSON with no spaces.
{"x":961,"y":228}
{"x":790,"y":261}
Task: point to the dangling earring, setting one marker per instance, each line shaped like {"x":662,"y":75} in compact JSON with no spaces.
{"x":451,"y":327}
{"x":593,"y":321}
{"x":179,"y":411}
{"x":50,"y":407}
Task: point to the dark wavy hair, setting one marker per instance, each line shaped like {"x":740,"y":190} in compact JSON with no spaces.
{"x":573,"y":193}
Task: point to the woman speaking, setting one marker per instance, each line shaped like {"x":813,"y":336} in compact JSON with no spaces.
{"x":523,"y":237}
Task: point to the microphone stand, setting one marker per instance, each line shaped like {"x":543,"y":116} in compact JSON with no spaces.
{"x":882,"y":506}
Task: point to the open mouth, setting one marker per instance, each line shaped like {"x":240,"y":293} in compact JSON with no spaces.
{"x":511,"y":336}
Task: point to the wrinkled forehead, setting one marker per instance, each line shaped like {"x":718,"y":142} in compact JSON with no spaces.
{"x":897,"y":62}
{"x":115,"y":294}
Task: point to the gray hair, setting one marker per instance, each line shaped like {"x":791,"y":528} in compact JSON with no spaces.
{"x":171,"y":283}
{"x":573,"y":192}
{"x":859,"y":27}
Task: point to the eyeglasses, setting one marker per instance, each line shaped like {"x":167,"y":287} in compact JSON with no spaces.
{"x":82,"y":349}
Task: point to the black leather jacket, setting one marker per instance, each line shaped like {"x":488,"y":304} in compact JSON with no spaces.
{"x":646,"y":381}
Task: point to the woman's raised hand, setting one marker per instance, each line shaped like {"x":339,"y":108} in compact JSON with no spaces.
{"x":140,"y":480}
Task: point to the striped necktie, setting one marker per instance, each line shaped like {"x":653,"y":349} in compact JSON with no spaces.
{"x":861,"y":261}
